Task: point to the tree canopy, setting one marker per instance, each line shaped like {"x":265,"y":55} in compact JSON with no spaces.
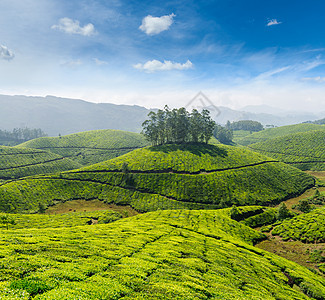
{"x":178,"y":126}
{"x":245,"y":125}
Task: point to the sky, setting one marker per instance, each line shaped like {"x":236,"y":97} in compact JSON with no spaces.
{"x":152,"y":53}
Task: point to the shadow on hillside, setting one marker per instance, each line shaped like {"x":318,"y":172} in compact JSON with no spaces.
{"x":197,"y":149}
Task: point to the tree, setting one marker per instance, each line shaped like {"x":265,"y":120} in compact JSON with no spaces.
{"x":283,"y":212}
{"x":223,"y":135}
{"x":178,"y":126}
{"x":304,"y":206}
{"x":7,"y":220}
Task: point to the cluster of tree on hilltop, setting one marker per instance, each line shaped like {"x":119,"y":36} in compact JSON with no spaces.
{"x":21,"y":134}
{"x":178,"y":126}
{"x":248,"y":125}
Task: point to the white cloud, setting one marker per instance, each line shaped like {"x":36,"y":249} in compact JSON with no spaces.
{"x":315,"y":79}
{"x":156,"y":65}
{"x":154,"y":25}
{"x":73,"y":27}
{"x":5,"y":53}
{"x":273,"y":22}
{"x":99,"y":62}
{"x":72,"y":63}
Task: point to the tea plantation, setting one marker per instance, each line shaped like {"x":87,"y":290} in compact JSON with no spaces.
{"x":21,"y":162}
{"x":90,"y":147}
{"x":303,"y":150}
{"x":178,"y":254}
{"x":165,"y":177}
{"x":308,"y":227}
{"x":272,"y":133}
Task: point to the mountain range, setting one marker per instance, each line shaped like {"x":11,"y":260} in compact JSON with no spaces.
{"x":61,"y":116}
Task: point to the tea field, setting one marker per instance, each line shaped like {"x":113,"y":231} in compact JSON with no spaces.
{"x":165,"y":177}
{"x":305,"y":150}
{"x":20,"y":162}
{"x":271,"y":133}
{"x":178,"y":254}
{"x":90,"y":147}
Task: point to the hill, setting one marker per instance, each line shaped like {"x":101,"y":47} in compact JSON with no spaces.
{"x":308,"y":228}
{"x":272,"y":133}
{"x":304,"y":150}
{"x":161,"y":255}
{"x":165,"y":177}
{"x":20,"y":162}
{"x":65,"y":116}
{"x":90,"y":147}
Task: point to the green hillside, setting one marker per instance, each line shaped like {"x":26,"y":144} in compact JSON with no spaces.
{"x":271,"y":133}
{"x":308,"y":228}
{"x":161,"y":255}
{"x":165,"y":177}
{"x":90,"y":147}
{"x":21,"y":162}
{"x":304,"y":150}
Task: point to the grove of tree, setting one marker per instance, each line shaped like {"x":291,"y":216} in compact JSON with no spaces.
{"x":178,"y":126}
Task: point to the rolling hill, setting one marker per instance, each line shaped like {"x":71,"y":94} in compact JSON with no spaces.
{"x":308,"y":227}
{"x":90,"y":147}
{"x":20,"y":162}
{"x":272,"y":133}
{"x":304,"y":150}
{"x":165,"y":177}
{"x":160,"y":255}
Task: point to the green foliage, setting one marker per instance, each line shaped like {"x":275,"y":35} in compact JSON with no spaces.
{"x":7,"y":220}
{"x":165,"y":177}
{"x":308,"y":227}
{"x":20,"y":162}
{"x":235,"y":213}
{"x":304,"y":150}
{"x":90,"y":147}
{"x":223,"y":135}
{"x":283,"y":212}
{"x":24,"y":221}
{"x":271,"y":133}
{"x":161,"y":255}
{"x":19,"y":135}
{"x":178,"y":126}
{"x":303,"y":205}
{"x":247,"y":125}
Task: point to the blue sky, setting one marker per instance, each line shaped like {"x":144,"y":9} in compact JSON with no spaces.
{"x":151,"y":53}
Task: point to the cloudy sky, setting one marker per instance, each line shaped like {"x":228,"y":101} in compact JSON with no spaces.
{"x":152,"y":53}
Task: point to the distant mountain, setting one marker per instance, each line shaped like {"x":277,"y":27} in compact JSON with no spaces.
{"x":279,"y":118}
{"x":64,"y":116}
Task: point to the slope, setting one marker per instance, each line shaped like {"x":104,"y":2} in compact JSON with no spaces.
{"x":21,"y":162}
{"x":271,"y":133}
{"x":304,"y":150}
{"x":90,"y":147}
{"x":165,"y":177}
{"x":162,"y":255}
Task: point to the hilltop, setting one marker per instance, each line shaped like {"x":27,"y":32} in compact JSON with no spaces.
{"x":90,"y":147}
{"x":165,"y":177}
{"x":161,"y":255}
{"x":20,"y":162}
{"x":272,"y":133}
{"x":304,"y":150}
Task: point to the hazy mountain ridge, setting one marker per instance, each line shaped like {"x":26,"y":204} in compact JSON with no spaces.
{"x":65,"y":116}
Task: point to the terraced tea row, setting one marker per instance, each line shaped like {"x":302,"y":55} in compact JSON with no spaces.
{"x":21,"y":162}
{"x":303,"y":150}
{"x":160,"y":255}
{"x":272,"y":133}
{"x":90,"y":147}
{"x":141,"y":180}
